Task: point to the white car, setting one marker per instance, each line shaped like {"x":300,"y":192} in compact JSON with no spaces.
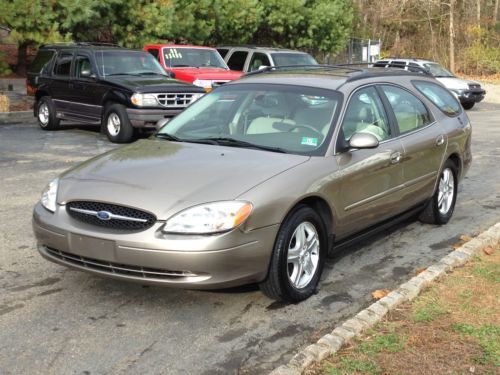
{"x":467,"y":91}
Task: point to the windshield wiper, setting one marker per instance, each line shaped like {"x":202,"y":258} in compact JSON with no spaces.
{"x":168,"y":137}
{"x":226,"y":141}
{"x":150,"y":74}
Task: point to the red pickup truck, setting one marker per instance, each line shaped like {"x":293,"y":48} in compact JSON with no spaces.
{"x":201,"y":66}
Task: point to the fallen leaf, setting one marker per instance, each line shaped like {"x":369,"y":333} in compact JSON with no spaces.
{"x":465,"y":238}
{"x":418,"y":271}
{"x":488,"y":250}
{"x":380,"y":293}
{"x":456,"y":246}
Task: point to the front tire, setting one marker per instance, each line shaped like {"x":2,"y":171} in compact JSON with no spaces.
{"x":46,"y":114}
{"x":468,"y":105}
{"x":442,"y":204}
{"x":116,"y":124}
{"x":298,"y":257}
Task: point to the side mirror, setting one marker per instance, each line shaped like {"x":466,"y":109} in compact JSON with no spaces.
{"x":363,"y":140}
{"x":86,"y":73}
{"x":171,"y":74}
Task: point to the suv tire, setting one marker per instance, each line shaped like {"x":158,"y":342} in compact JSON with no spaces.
{"x":116,"y":124}
{"x":46,"y":114}
{"x":468,"y":105}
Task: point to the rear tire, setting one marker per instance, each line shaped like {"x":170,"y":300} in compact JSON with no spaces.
{"x":298,"y":257}
{"x":468,"y":105}
{"x":116,"y":124}
{"x":440,"y":208}
{"x":46,"y":114}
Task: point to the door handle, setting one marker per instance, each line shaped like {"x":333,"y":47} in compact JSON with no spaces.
{"x":440,"y":140}
{"x":395,"y":158}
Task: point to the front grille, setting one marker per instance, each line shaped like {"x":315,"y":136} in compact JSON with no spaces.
{"x":474,"y":86}
{"x":117,"y":268}
{"x":174,"y":100}
{"x":110,"y":215}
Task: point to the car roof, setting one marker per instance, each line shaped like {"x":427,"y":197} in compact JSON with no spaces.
{"x":322,"y":76}
{"x":82,"y":45}
{"x":262,"y":48}
{"x":169,"y":45}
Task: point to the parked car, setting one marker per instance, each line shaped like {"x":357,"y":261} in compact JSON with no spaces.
{"x":467,"y":91}
{"x":252,"y":58}
{"x":120,"y":89}
{"x":258,"y":181}
{"x":201,"y":66}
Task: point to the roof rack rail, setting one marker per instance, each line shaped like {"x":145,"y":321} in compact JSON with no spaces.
{"x":306,"y":67}
{"x":413,"y":69}
{"x":101,"y":44}
{"x":69,"y":44}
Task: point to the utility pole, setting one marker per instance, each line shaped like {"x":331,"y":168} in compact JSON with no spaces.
{"x":452,"y":37}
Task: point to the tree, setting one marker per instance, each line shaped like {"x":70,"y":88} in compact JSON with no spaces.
{"x":315,"y":25}
{"x":33,"y":22}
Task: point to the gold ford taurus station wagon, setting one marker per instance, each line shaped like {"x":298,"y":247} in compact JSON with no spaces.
{"x":258,"y":181}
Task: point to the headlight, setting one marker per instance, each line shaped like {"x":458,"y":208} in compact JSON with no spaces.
{"x":205,"y":83}
{"x":209,"y":218}
{"x":49,"y":195}
{"x":144,"y":100}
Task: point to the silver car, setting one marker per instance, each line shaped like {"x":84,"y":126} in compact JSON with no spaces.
{"x":260,"y":180}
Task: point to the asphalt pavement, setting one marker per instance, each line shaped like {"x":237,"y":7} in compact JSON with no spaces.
{"x":55,"y":320}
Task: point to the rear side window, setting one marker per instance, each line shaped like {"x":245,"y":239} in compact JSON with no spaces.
{"x":42,"y":59}
{"x":440,"y":96}
{"x":409,"y":111}
{"x":62,"y":66}
{"x":155,"y":53}
{"x":237,"y":60}
{"x":223,"y":51}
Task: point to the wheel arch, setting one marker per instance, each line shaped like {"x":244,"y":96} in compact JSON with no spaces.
{"x":326,"y":213}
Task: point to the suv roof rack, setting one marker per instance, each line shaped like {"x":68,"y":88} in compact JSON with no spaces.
{"x":77,"y":44}
{"x":397,"y":64}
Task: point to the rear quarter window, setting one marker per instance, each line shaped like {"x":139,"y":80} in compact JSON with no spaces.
{"x":440,"y":97}
{"x":43,"y":57}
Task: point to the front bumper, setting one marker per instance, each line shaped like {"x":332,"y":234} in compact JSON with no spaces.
{"x":470,"y":96}
{"x":147,"y":118}
{"x":152,"y":257}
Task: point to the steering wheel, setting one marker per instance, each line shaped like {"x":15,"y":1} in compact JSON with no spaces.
{"x":309,"y":127}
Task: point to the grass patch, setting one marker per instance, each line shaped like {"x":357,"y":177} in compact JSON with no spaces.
{"x":429,"y":312}
{"x":390,"y":342}
{"x":451,"y":328}
{"x":488,"y":336}
{"x":348,"y":366}
{"x":489,"y":272}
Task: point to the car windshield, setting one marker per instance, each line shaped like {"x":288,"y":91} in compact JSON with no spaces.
{"x":437,"y":70}
{"x":127,"y":63}
{"x":292,"y":119}
{"x":193,"y":57}
{"x":286,"y":59}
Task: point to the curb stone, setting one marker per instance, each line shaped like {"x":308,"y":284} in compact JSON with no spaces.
{"x":16,"y":117}
{"x":332,"y":342}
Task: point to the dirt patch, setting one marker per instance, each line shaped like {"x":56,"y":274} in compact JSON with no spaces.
{"x":451,"y":328}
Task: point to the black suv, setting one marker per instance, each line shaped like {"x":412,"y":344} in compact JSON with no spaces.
{"x":120,"y":89}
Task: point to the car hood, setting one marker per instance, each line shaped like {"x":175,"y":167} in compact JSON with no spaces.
{"x":152,"y":84}
{"x":454,"y":83}
{"x":166,"y":177}
{"x":208,"y":73}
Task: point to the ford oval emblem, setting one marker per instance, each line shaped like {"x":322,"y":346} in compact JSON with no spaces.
{"x":103,"y":215}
